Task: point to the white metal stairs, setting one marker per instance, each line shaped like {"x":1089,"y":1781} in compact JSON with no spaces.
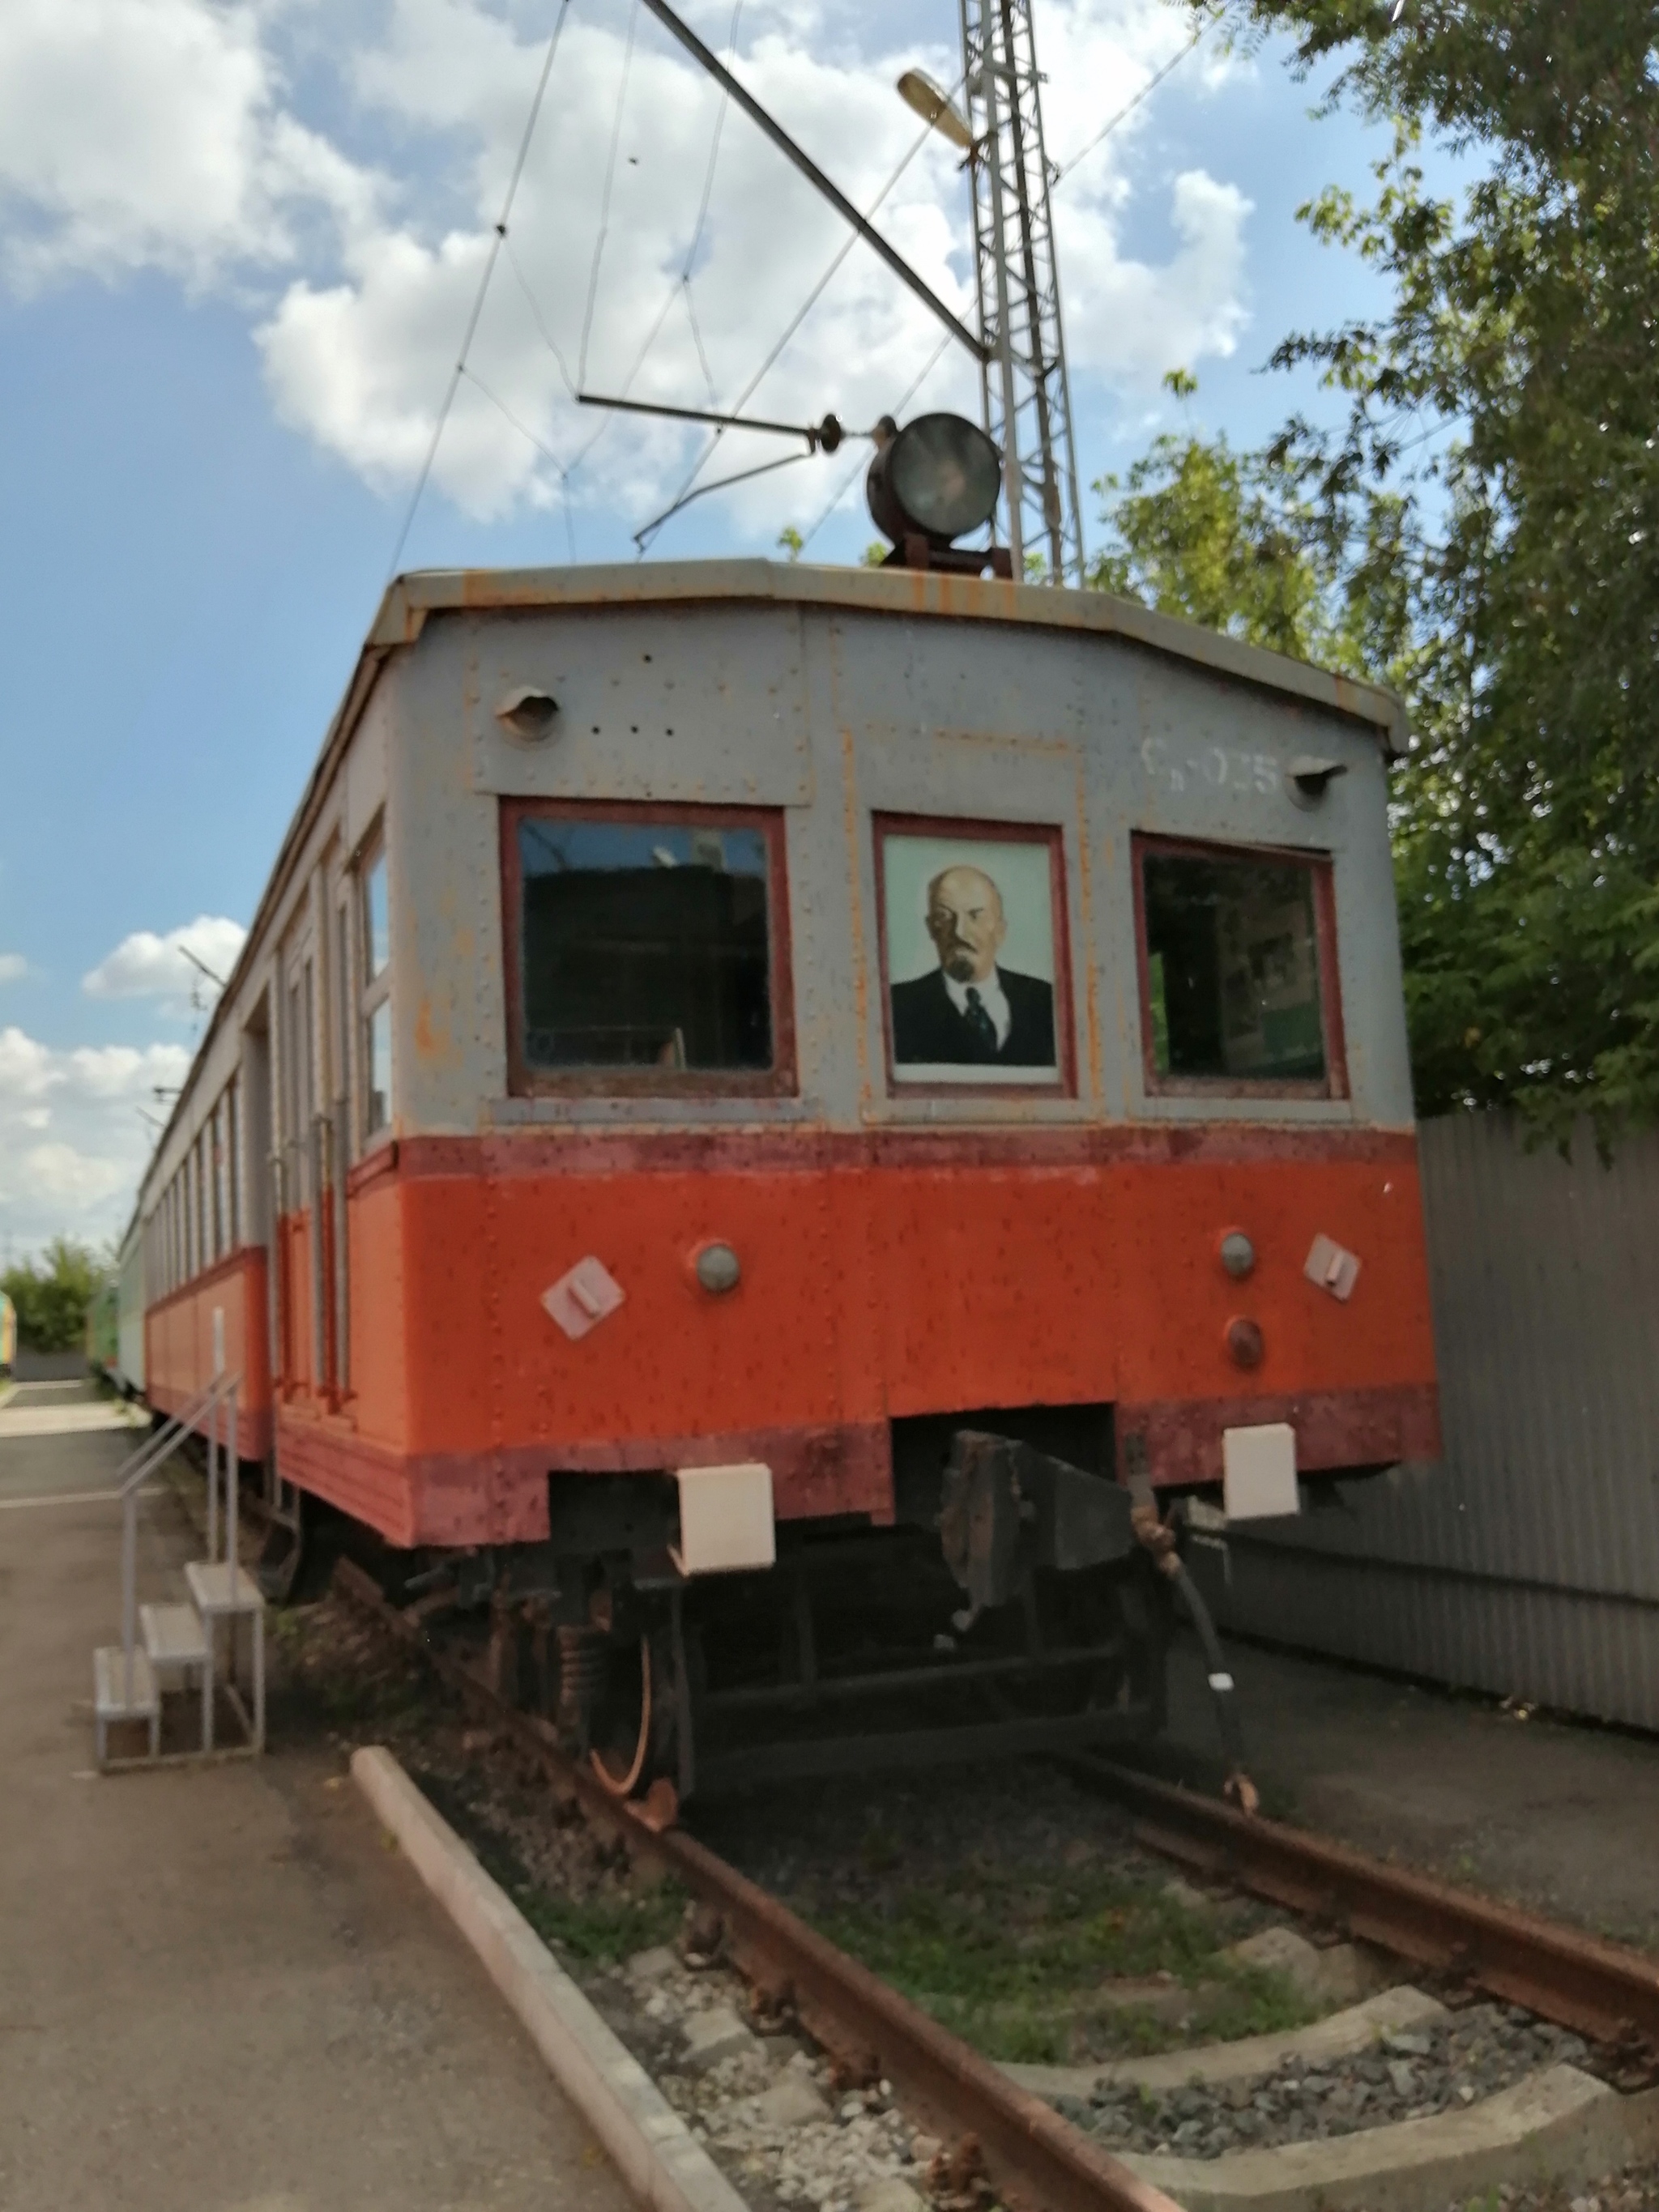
{"x":175,"y":1647}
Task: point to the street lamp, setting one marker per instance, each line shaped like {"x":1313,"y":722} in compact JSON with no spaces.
{"x":918,"y":91}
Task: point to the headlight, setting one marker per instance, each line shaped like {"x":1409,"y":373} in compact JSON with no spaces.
{"x":938,"y":478}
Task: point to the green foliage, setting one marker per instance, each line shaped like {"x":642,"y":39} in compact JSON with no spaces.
{"x":791,"y":542}
{"x":1016,"y":1967}
{"x":1222,"y":539}
{"x":1483,"y":529}
{"x":875,"y":554}
{"x":602,"y":1930}
{"x":51,"y":1294}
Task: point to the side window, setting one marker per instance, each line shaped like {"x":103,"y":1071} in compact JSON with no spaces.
{"x":646,"y":948}
{"x":374,"y":1005}
{"x":216,"y":1153}
{"x":1238,"y":981}
{"x":233,"y":1164}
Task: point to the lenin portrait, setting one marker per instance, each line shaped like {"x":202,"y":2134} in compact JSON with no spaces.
{"x":982,"y":1007}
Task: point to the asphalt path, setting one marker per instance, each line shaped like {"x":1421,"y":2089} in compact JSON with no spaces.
{"x":218,"y":1989}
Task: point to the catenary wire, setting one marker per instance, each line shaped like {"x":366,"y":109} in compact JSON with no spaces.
{"x":1128,"y":107}
{"x":1060,"y":174}
{"x":541,"y":446}
{"x":741,"y":475}
{"x":642,"y":538}
{"x":853,"y":474}
{"x":530,"y":301}
{"x":681,"y":284}
{"x":604,"y":196}
{"x":496,"y":245}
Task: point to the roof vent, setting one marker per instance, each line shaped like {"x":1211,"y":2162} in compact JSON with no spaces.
{"x":527,"y":713}
{"x":1308,"y":779}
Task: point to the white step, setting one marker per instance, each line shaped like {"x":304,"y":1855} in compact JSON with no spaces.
{"x":173,"y":1635}
{"x":213,"y":1588}
{"x":111,"y":1698}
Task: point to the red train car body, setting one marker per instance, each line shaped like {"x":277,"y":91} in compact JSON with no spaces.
{"x":736,"y":1017}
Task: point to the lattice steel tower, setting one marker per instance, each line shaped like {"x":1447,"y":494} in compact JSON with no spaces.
{"x":1027,"y":407}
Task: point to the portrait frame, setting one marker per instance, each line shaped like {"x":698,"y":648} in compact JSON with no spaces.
{"x":1333,"y":1087}
{"x":1048,"y":838}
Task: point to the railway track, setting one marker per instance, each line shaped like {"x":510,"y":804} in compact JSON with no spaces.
{"x":1032,"y":2158}
{"x":1602,"y":1991}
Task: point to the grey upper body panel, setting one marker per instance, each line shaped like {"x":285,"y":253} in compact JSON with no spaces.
{"x":835,"y":712}
{"x":831,"y":695}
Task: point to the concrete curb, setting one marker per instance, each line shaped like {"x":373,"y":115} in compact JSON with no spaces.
{"x":653,"y":2150}
{"x":1557,"y":2125}
{"x":1338,"y":2035}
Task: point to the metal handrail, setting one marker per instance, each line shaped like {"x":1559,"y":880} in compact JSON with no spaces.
{"x":144,"y":1461}
{"x":156,"y":1447}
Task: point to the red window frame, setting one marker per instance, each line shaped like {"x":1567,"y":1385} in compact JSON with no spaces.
{"x":1334,"y":1084}
{"x":1048,"y":834}
{"x":524,"y":1081}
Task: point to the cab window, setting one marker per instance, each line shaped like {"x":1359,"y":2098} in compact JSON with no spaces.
{"x":646,"y":947}
{"x":1237,"y":984}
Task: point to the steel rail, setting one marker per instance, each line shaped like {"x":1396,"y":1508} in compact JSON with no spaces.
{"x":1599,"y":1989}
{"x":1035,"y":2161}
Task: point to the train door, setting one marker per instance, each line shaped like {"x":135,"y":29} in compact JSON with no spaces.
{"x":342,"y":986}
{"x":300,"y":1243}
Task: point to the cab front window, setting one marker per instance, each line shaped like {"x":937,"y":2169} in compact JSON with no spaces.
{"x":1238,"y":980}
{"x":645,"y":944}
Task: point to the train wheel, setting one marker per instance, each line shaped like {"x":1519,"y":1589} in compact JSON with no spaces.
{"x":622,"y":1726}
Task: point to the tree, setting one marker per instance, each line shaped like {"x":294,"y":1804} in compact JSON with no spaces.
{"x":1483,"y":528}
{"x":51,"y":1295}
{"x":1222,"y":539}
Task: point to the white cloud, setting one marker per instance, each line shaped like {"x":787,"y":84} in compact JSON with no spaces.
{"x":167,"y":134}
{"x":357,"y":362}
{"x":74,"y":1180}
{"x":72,"y":1141}
{"x":142,"y":134}
{"x":26,"y":1069}
{"x":12,"y":965}
{"x":146,"y":966}
{"x":1134,"y":320}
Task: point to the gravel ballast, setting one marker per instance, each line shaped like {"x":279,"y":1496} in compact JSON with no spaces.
{"x":1410,"y":2075}
{"x":771,"y":2108}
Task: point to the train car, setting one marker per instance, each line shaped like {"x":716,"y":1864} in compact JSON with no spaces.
{"x":770,"y":1122}
{"x":102,"y":1333}
{"x":130,"y":1314}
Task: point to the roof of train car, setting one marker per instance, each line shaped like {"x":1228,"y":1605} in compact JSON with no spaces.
{"x":409,"y":600}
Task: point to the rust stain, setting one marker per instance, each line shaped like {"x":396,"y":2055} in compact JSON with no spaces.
{"x":1086,"y":898}
{"x":855,"y":905}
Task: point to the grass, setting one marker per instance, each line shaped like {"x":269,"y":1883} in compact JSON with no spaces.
{"x":1016,"y":1967}
{"x":601,"y":1931}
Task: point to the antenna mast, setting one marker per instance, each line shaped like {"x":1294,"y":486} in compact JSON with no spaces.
{"x":1027,"y":402}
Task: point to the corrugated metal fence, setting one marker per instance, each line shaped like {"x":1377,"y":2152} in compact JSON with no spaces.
{"x":1528,"y":1562}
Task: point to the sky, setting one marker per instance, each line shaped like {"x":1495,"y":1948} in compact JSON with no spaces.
{"x":239,"y":245}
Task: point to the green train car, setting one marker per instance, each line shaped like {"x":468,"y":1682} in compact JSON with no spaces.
{"x":103,"y":1333}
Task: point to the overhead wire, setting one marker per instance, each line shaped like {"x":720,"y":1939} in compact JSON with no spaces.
{"x":541,"y":446}
{"x":1128,"y":108}
{"x":530,"y":301}
{"x":495,"y":244}
{"x":853,"y":473}
{"x":1059,"y":176}
{"x":643,"y":537}
{"x":604,"y":197}
{"x":686,"y":494}
{"x":682,"y":283}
